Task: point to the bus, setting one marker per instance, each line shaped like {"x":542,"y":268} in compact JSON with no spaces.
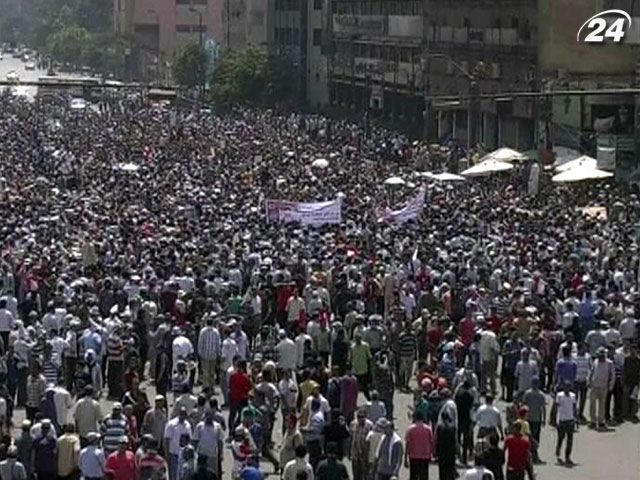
{"x":79,"y":87}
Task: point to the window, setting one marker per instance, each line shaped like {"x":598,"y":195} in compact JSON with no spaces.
{"x":317,"y":37}
{"x":515,"y":23}
{"x":183,"y":28}
{"x":405,"y":54}
{"x":466,"y":23}
{"x":497,"y":23}
{"x":183,"y":2}
{"x":199,"y":2}
{"x":317,"y":4}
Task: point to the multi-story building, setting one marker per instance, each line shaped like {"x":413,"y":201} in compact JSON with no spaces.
{"x":159,"y":28}
{"x":289,"y":28}
{"x":597,"y":123}
{"x":390,"y":56}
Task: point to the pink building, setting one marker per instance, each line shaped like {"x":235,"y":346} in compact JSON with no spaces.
{"x":161,"y":27}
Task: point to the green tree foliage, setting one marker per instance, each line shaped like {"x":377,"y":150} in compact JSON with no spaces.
{"x":190,"y":65}
{"x":104,"y":52}
{"x":71,"y":31}
{"x":252,"y":76}
{"x":67,"y":43}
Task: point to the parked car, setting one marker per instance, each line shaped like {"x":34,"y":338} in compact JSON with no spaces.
{"x":13,"y":76}
{"x":30,"y":66}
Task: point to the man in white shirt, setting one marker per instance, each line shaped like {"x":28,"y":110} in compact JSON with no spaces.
{"x":489,"y":351}
{"x":628,"y":327}
{"x":566,"y":422}
{"x":300,"y":341}
{"x":208,"y":441}
{"x":7,"y":321}
{"x":286,"y":351}
{"x":181,"y":347}
{"x":229,"y":354}
{"x":298,"y":464}
{"x":488,"y":419}
{"x":177,"y":434}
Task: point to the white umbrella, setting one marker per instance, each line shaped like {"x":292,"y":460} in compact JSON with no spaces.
{"x":447,"y":177}
{"x":394,"y":181}
{"x":505,"y":154}
{"x":581,"y":173}
{"x":320,"y":163}
{"x":128,"y":167}
{"x":487,"y":167}
{"x":581,"y":162}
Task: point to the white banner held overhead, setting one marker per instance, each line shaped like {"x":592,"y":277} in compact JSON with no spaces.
{"x":315,"y":213}
{"x":410,"y":211}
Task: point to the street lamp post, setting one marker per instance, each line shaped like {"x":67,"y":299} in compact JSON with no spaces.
{"x":474,"y":92}
{"x":201,"y":42}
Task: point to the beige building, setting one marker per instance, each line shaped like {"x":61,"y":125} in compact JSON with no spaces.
{"x":291,"y":28}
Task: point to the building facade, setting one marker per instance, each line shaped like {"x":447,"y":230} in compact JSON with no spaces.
{"x":158,"y":28}
{"x":391,"y":56}
{"x":288,"y":28}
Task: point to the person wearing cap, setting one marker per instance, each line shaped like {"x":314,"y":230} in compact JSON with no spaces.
{"x":601,"y":382}
{"x":12,"y":468}
{"x":122,"y":463}
{"x":92,"y":461}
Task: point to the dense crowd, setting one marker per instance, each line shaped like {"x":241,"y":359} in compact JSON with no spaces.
{"x":161,"y":287}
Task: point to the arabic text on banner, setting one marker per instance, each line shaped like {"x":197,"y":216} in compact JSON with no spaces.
{"x":316,"y":213}
{"x":410,"y":211}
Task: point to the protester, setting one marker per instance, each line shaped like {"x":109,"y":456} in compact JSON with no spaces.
{"x":180,"y":274}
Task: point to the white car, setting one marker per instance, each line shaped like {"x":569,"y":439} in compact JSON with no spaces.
{"x":13,"y":76}
{"x":30,"y":66}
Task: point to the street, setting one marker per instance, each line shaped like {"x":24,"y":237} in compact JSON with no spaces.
{"x":614,"y":455}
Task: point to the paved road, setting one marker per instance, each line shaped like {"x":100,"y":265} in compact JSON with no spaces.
{"x":613,"y":455}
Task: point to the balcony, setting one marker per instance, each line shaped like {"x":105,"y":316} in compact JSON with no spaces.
{"x":470,"y":37}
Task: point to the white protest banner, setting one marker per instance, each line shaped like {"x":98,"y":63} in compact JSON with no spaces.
{"x":315,"y":213}
{"x":410,"y":211}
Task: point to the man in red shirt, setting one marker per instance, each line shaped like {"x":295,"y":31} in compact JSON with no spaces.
{"x":419,"y":440}
{"x":518,"y":451}
{"x":239,"y":387}
{"x":122,"y":463}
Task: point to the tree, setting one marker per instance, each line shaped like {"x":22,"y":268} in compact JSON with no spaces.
{"x":251,"y":76}
{"x":190,"y":65}
{"x":66,"y":44}
{"x":104,"y":53}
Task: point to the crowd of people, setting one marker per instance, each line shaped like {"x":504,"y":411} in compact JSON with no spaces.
{"x":154,"y":325}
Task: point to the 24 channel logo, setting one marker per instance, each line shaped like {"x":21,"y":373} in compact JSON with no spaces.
{"x":608,"y":25}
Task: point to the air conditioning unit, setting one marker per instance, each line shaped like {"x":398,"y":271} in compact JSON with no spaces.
{"x":495,"y":71}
